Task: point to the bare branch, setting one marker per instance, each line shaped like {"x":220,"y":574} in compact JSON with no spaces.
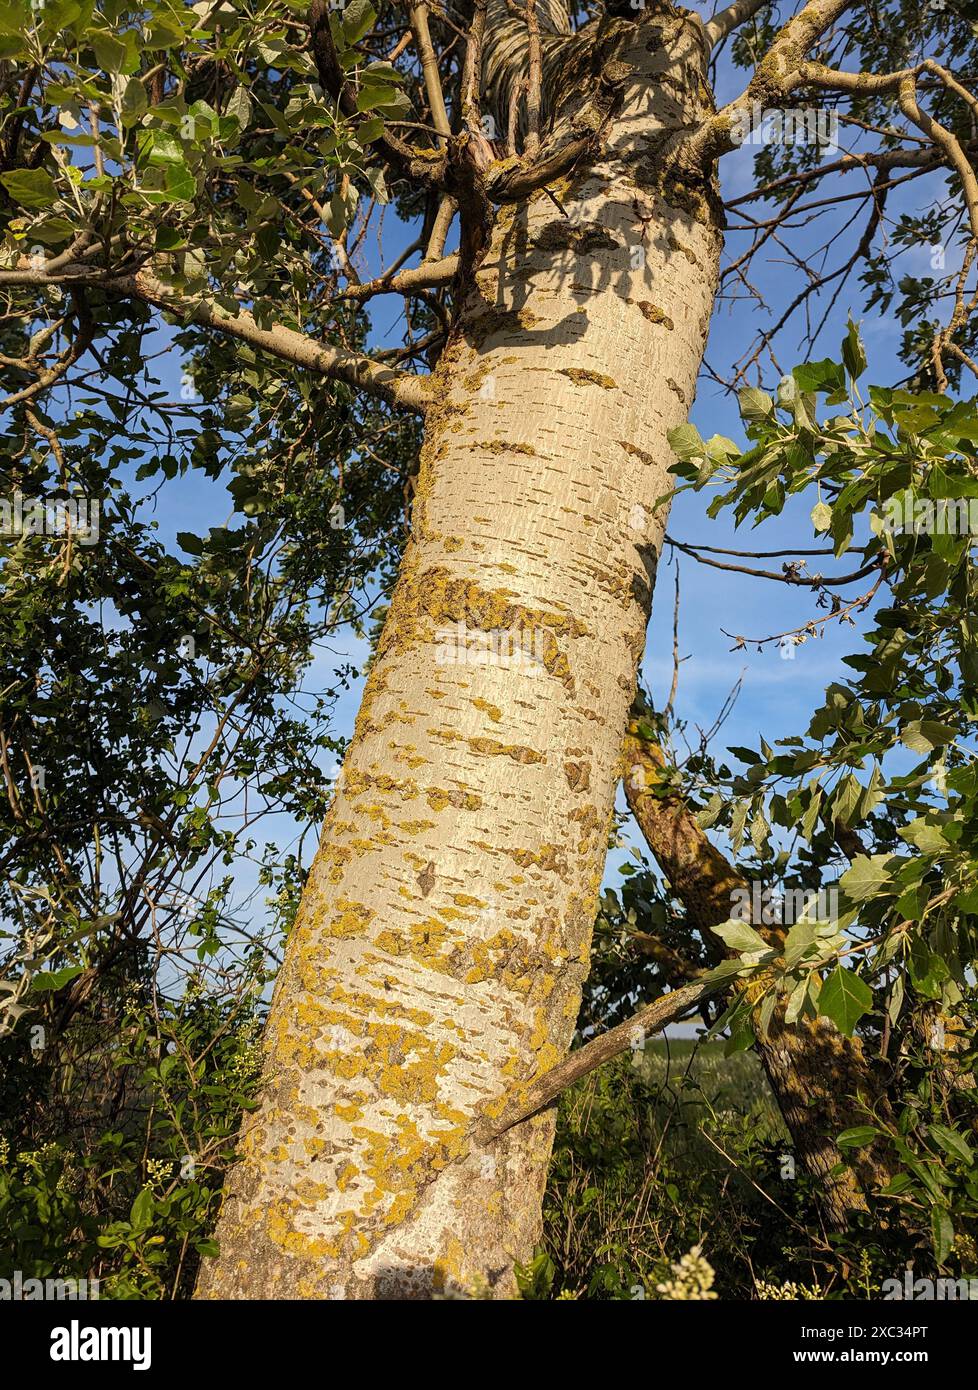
{"x":921,"y":159}
{"x":946,"y":141}
{"x":648,"y":1020}
{"x":726,"y":21}
{"x":789,"y":576}
{"x":472,"y":67}
{"x":46,"y":377}
{"x":534,"y":80}
{"x":511,"y":184}
{"x":421,"y":277}
{"x":776,"y":75}
{"x":397,"y":388}
{"x":398,"y":154}
{"x":429,"y":67}
{"x":435,"y":249}
{"x":403,"y":389}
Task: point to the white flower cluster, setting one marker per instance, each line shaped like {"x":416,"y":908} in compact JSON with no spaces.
{"x":692,"y":1278}
{"x":790,"y":1291}
{"x":158,"y":1172}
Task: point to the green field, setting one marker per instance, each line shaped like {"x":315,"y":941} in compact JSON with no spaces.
{"x":699,"y":1076}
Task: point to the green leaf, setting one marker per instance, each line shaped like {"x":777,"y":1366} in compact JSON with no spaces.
{"x":240,"y":106}
{"x":721,"y":448}
{"x":110,"y":53}
{"x":164,"y":33}
{"x":754,"y":403}
{"x":725,"y":970}
{"x":871,"y":795}
{"x":821,"y":516}
{"x":746,"y":755}
{"x":942,"y":1228}
{"x":385,"y":72}
{"x":844,"y":999}
{"x":853,"y":354}
{"x":826,"y":376}
{"x":766,"y":1013}
{"x":921,"y":735}
{"x":799,"y":941}
{"x":711,"y":811}
{"x":14,"y":17}
{"x":928,"y":970}
{"x":686,"y":443}
{"x":925,"y":835}
{"x":160,"y":147}
{"x":760,"y":830}
{"x":807,"y":822}
{"x":378,"y":186}
{"x":32,"y":188}
{"x":374,"y":94}
{"x":141,"y":1213}
{"x":846,"y":800}
{"x":858,"y":1137}
{"x":868,"y":877}
{"x":896,"y":999}
{"x":336,"y":214}
{"x":134,"y":99}
{"x":740,"y":1039}
{"x":796,"y":1002}
{"x":358,"y":18}
{"x":55,"y":979}
{"x":58,"y":14}
{"x":180,"y":183}
{"x":737,"y":822}
{"x":952,"y":1142}
{"x":739,"y":936}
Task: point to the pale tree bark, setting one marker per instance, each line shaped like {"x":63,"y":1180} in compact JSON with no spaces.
{"x":439,"y":951}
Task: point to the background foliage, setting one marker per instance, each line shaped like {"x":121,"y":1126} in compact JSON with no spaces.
{"x":164,"y":700}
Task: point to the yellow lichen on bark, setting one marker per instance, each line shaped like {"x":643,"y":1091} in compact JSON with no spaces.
{"x":461,"y":887}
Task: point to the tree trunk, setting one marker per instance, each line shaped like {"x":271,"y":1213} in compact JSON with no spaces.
{"x":822,"y":1080}
{"x":443,"y":936}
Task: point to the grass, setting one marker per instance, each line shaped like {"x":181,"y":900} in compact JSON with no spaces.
{"x":708,"y":1084}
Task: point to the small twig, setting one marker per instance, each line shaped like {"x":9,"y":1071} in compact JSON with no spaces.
{"x":667,"y":712}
